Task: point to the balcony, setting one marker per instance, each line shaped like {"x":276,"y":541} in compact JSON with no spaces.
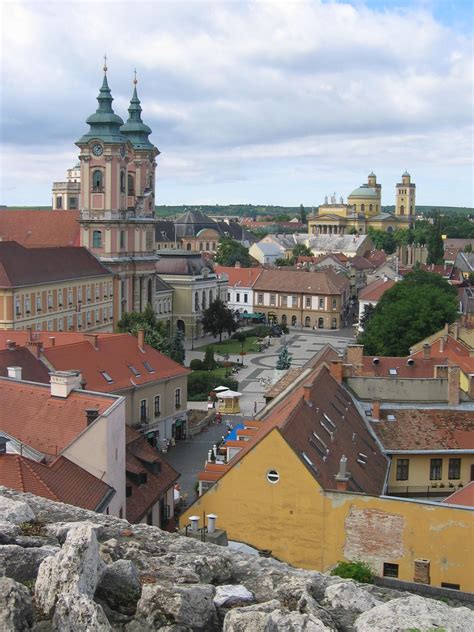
{"x":436,"y":491}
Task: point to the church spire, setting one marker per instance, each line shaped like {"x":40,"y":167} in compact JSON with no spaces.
{"x":135,"y":129}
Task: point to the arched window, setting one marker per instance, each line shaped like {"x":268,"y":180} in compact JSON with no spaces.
{"x":188,"y":246}
{"x":370,"y":208}
{"x":97,"y":239}
{"x":131,"y":184}
{"x":320,"y":323}
{"x":307,"y":321}
{"x":122,"y":182}
{"x":293,"y":321}
{"x":402,"y":210}
{"x":362,"y":208}
{"x":196,"y":302}
{"x":97,"y":181}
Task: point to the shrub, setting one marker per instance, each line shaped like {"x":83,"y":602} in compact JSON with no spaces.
{"x":360,"y":571}
{"x":201,"y":383}
{"x":196,"y":365}
{"x":260,"y":331}
{"x":209,"y":361}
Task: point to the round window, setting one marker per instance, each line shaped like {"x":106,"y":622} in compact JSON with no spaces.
{"x":273,"y":476}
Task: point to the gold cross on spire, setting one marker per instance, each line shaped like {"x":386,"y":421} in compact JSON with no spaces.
{"x":105,"y":63}
{"x":135,"y":77}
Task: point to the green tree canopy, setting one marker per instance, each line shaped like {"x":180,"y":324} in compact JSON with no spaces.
{"x":411,"y":310}
{"x":435,"y":242}
{"x":156,"y":333}
{"x":300,"y":250}
{"x":218,"y":318}
{"x":177,"y":351}
{"x":303,"y":214}
{"x":230,"y":251}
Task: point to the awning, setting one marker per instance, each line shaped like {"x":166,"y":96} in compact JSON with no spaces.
{"x":228,"y":394}
{"x":220,"y":389}
{"x":252,"y":315}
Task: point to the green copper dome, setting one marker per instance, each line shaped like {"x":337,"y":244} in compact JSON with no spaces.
{"x":364,"y":191}
{"x":104,"y":123}
{"x":135,"y":129}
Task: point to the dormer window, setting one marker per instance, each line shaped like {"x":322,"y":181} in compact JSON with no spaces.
{"x":106,"y":377}
{"x":135,"y":371}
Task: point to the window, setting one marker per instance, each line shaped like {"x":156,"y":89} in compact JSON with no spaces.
{"x":111,"y":311}
{"x":454,"y":469}
{"x":70,"y":322}
{"x":246,"y":297}
{"x":97,"y":182}
{"x":390,"y":570}
{"x":273,"y":476}
{"x":196,"y":302}
{"x":50,"y":325}
{"x":436,"y":468}
{"x":284,"y":300}
{"x":143,"y":410}
{"x":79,"y":294}
{"x":106,"y":377}
{"x":334,"y":303}
{"x":122,"y":239}
{"x":204,"y":300}
{"x":402,"y":469}
{"x":97,"y":315}
{"x":308,"y":301}
{"x":237,"y":297}
{"x":50,"y":301}
{"x":73,"y":202}
{"x":59,"y":202}
{"x":97,"y":239}
{"x":131,"y":185}
{"x":294,"y":300}
{"x":228,"y":296}
{"x":157,"y":406}
{"x":451,"y":586}
{"x":122,"y":182}
{"x":60,"y":298}
{"x":334,"y":323}
{"x":88,"y":294}
{"x":272,"y":299}
{"x":38,"y":303}
{"x":200,"y":246}
{"x":27,"y":305}
{"x":97,"y":292}
{"x":321,"y":303}
{"x":17,"y":307}
{"x":135,"y":371}
{"x":260,"y":299}
{"x":177,"y":398}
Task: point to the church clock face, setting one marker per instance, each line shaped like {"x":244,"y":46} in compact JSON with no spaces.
{"x":97,"y":149}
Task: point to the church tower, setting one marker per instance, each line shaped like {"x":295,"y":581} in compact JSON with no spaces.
{"x":405,"y":199}
{"x":117,"y":200}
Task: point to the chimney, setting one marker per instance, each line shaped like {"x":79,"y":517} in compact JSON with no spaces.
{"x":455,"y":331}
{"x":11,"y":345}
{"x":342,"y":477}
{"x":470,"y":390}
{"x":141,"y":339}
{"x":93,"y":339}
{"x":376,"y":410}
{"x":307,"y":392}
{"x":63,"y":382}
{"x":354,"y":354}
{"x":211,"y":523}
{"x":453,"y":385}
{"x":426,"y":351}
{"x":336,"y":370}
{"x":3,"y":444}
{"x":237,"y":264}
{"x":91,"y":415}
{"x":194,"y":520}
{"x":52,"y":340}
{"x":441,"y":344}
{"x":14,"y":372}
{"x":446,"y":329}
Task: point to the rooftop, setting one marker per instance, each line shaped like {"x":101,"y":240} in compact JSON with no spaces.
{"x":463,"y":496}
{"x":33,"y":370}
{"x":375,"y":290}
{"x":323,"y":282}
{"x":386,"y":366}
{"x":40,"y":229}
{"x":244,"y":277}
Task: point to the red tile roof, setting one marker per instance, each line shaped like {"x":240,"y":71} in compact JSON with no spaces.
{"x":324,"y":282}
{"x":452,"y":350}
{"x":115,"y":354}
{"x":463,"y":496}
{"x":33,"y":369}
{"x":139,"y":455}
{"x":40,"y":229}
{"x":20,"y":266}
{"x":244,"y":277}
{"x":47,"y":424}
{"x":426,"y":429}
{"x":376,"y":257}
{"x":47,"y":338}
{"x":419,"y":368}
{"x":62,"y":481}
{"x":375,"y":290}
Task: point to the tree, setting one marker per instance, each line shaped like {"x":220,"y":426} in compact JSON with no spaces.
{"x":383,"y":240}
{"x":218,"y":318}
{"x":411,"y":310}
{"x":284,"y":359}
{"x":230,"y":251}
{"x":209,"y":359}
{"x":366,"y":315}
{"x":300,"y":250}
{"x":303,"y":215}
{"x":156,"y":333}
{"x":177,"y":351}
{"x":435,"y":242}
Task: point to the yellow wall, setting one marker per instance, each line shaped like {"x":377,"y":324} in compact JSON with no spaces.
{"x":419,"y":470}
{"x":309,"y":528}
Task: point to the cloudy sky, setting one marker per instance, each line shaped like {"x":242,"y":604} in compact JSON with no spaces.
{"x":249,"y":102}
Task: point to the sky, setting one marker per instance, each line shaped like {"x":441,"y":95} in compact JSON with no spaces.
{"x":258,"y":102}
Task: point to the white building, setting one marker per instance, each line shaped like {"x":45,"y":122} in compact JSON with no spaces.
{"x":240,"y":287}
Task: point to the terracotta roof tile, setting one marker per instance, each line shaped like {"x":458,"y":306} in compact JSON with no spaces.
{"x":324,"y":282}
{"x":244,"y":277}
{"x":39,"y":228}
{"x":463,"y":496}
{"x":33,"y":370}
{"x":47,"y":424}
{"x":62,"y":481}
{"x":426,"y":429}
{"x":21,"y":266}
{"x":375,"y":290}
{"x":115,"y":354}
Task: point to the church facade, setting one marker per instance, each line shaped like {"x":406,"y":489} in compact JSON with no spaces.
{"x":364,"y":210}
{"x":117,"y":200}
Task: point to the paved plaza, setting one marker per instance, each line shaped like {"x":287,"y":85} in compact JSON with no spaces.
{"x":188,"y":457}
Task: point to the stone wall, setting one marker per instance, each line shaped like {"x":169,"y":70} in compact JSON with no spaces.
{"x":67,"y":569}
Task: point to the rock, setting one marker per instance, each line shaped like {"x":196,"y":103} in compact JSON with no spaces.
{"x":60,"y":529}
{"x":119,"y":586}
{"x":16,"y":610}
{"x":348,"y":596}
{"x":307,"y":604}
{"x":230,"y":594}
{"x":8,"y":532}
{"x":186,"y":605}
{"x":417,"y":613}
{"x":294,"y":622}
{"x":270,"y":617}
{"x":22,"y":564}
{"x":76,"y":568}
{"x":76,"y":613}
{"x":15,"y":511}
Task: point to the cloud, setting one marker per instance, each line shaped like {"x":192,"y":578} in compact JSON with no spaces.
{"x":234,"y":91}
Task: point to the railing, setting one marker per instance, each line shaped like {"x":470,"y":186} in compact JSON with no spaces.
{"x":406,"y":491}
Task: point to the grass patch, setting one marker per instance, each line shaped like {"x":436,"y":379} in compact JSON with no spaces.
{"x":32,"y":528}
{"x":232,"y":346}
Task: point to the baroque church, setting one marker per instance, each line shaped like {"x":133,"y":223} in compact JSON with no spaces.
{"x":363,"y":210}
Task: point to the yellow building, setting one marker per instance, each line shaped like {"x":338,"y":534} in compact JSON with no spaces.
{"x":364,"y":210}
{"x":308,"y":485}
{"x":54,"y":289}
